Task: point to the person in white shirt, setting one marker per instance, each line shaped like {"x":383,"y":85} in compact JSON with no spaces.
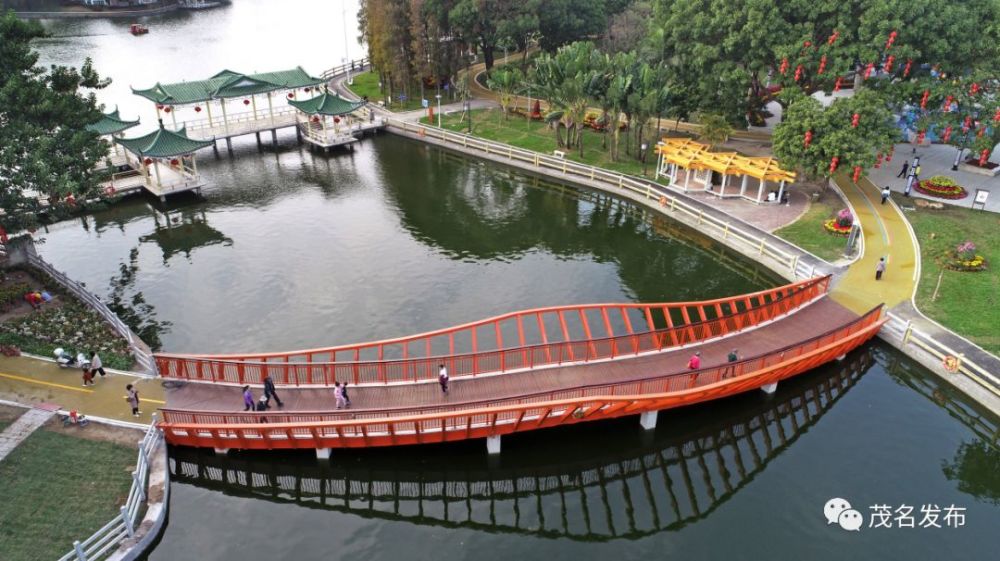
{"x":96,"y":365}
{"x":443,"y":378}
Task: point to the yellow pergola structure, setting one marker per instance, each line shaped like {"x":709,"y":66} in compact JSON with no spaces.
{"x":676,"y":153}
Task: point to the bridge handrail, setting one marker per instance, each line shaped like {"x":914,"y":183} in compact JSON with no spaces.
{"x":459,"y":424}
{"x":762,"y":244}
{"x":237,"y":118}
{"x":494,"y":360}
{"x":709,"y":375}
{"x":355,"y":65}
{"x":717,"y":303}
{"x":104,"y":541}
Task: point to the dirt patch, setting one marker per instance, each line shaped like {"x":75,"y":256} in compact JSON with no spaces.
{"x":10,"y":413}
{"x":20,"y":307}
{"x":97,"y":431}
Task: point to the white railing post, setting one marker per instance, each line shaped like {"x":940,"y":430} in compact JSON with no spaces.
{"x":78,"y":549}
{"x":128,"y":522}
{"x":139,"y":486}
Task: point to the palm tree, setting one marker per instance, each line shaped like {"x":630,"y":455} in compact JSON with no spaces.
{"x":505,"y":81}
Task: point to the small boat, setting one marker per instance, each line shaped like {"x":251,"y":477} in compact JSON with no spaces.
{"x":138,"y":29}
{"x":199,"y":4}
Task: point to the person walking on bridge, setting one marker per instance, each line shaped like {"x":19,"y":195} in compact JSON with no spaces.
{"x":338,"y":395}
{"x":886,"y":192}
{"x":695,"y":362}
{"x":248,"y":404}
{"x":443,"y":378}
{"x":269,"y":392}
{"x":879,"y":268}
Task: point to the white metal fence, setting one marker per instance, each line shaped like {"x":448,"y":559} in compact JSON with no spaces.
{"x":761,"y":244}
{"x":104,"y":541}
{"x":905,"y":331}
{"x":353,"y":66}
{"x":139,"y":349}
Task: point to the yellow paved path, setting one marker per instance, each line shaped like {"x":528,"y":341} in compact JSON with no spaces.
{"x":31,"y":381}
{"x":886,"y":234}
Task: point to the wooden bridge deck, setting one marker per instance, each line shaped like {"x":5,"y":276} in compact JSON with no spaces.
{"x":811,"y":321}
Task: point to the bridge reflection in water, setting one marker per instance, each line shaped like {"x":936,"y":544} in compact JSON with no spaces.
{"x":647,"y":484}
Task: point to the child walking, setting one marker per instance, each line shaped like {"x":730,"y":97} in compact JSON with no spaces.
{"x":132,"y":396}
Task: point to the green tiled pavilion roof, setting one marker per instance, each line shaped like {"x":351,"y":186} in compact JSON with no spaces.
{"x":326,"y":104}
{"x":162,"y":143}
{"x":111,"y":123}
{"x":228,"y":84}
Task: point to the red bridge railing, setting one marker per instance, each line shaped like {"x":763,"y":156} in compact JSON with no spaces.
{"x":683,"y":323}
{"x":479,"y":419}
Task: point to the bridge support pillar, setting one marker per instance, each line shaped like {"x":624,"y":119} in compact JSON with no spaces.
{"x":274,"y":136}
{"x":841,"y":357}
{"x":221,"y":451}
{"x":258,"y":138}
{"x":229,"y":145}
{"x":323,"y":453}
{"x":648,"y":420}
{"x":770,"y":388}
{"x":215,"y":147}
{"x":493,"y":444}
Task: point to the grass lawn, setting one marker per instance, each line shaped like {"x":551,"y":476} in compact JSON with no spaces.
{"x":535,"y":135}
{"x":808,"y":233}
{"x":366,"y":84}
{"x":56,"y":489}
{"x":967,"y":302}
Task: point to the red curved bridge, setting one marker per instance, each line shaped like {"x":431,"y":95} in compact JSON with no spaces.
{"x":520,"y":371}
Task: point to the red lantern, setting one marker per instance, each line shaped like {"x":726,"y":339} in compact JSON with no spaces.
{"x":868,"y":69}
{"x":174,"y":162}
{"x":158,"y":106}
{"x":888,"y":157}
{"x":291,"y":95}
{"x":979,"y":133}
{"x":822,"y":64}
{"x":906,"y":70}
{"x":920,"y":137}
{"x":70,"y":199}
{"x":807,"y":44}
{"x":878,"y":160}
{"x":833,"y":37}
{"x":784,"y":66}
{"x":857,"y":173}
{"x":983,"y":156}
{"x":197,"y":109}
{"x":855,"y":120}
{"x":798,"y":73}
{"x":305,"y":89}
{"x":836,"y":85}
{"x":947,"y":103}
{"x":315,"y":119}
{"x":833,"y":164}
{"x":808,"y":139}
{"x":923,"y":100}
{"x":967,"y":124}
{"x":996,"y":116}
{"x":947,"y":134}
{"x":974,"y":89}
{"x":336,"y":120}
{"x":147,"y":161}
{"x":168,"y":109}
{"x":246,"y":102}
{"x":888,"y":63}
{"x":892,"y":39}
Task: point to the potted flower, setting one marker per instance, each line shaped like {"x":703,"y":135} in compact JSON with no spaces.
{"x":965,"y":258}
{"x":840,"y":224}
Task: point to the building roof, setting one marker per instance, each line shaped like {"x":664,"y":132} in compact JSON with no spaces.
{"x":162,"y":143}
{"x":693,"y":155}
{"x":111,"y":123}
{"x":228,"y":84}
{"x":326,"y":104}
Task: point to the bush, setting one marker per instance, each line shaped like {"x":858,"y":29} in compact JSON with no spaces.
{"x":9,"y":294}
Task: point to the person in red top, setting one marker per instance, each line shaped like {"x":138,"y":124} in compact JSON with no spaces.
{"x":695,"y":362}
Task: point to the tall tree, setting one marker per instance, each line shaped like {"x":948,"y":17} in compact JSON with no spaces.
{"x":505,"y":82}
{"x":479,"y":22}
{"x":44,"y":144}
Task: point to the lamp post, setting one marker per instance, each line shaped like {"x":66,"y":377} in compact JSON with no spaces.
{"x":961,"y":148}
{"x":438,"y":96}
{"x":347,"y":50}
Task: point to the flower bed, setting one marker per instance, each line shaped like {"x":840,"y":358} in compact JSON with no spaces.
{"x":71,"y":326}
{"x":840,"y":224}
{"x":943,"y":187}
{"x":10,"y":293}
{"x":965,"y":258}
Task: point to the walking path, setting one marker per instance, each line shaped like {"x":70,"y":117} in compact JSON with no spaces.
{"x":33,"y":381}
{"x":22,"y":428}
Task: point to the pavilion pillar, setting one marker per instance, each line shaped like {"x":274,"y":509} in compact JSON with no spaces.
{"x":156,"y":168}
{"x":687,"y":178}
{"x":194,"y":164}
{"x":208,"y":107}
{"x":270,"y":109}
{"x":173,"y":117}
{"x":743,"y":186}
{"x":253,"y":104}
{"x":145,"y":169}
{"x":781,"y":191}
{"x":326,"y":139}
{"x":722,"y":188}
{"x":760,"y":190}
{"x":225,"y":120}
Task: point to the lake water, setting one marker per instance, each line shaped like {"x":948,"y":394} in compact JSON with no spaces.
{"x":286,"y":249}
